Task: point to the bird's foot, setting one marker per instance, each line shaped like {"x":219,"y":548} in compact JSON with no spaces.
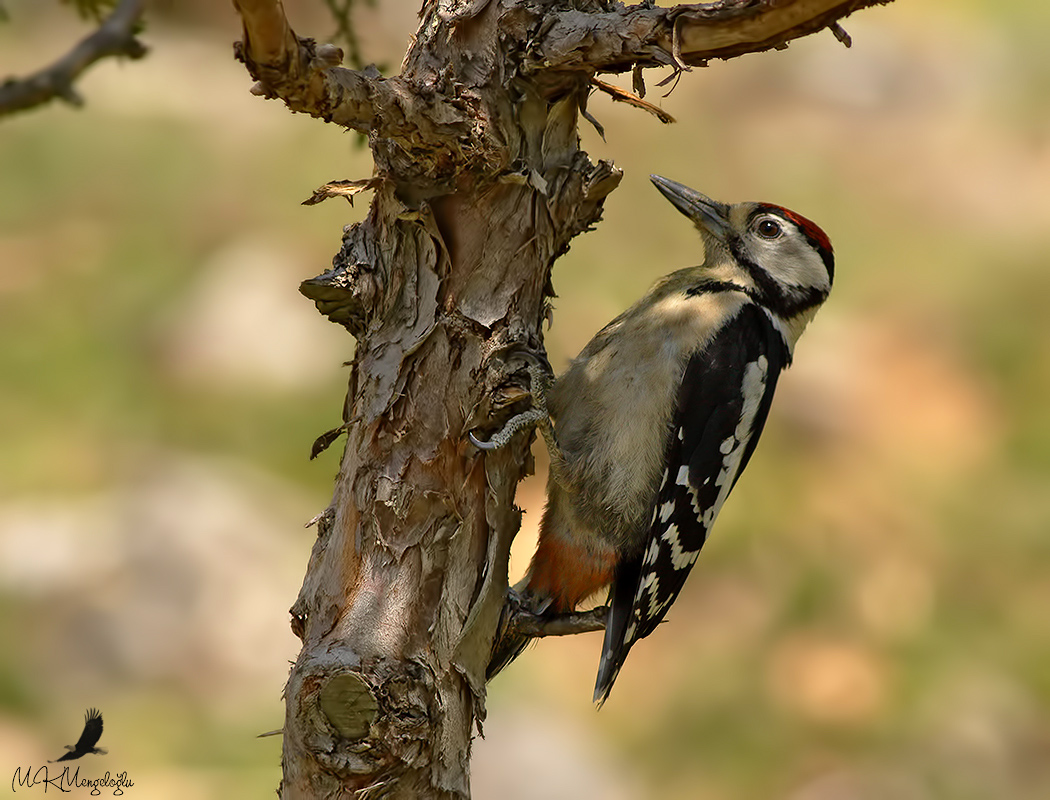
{"x":523,"y":619}
{"x":540,"y":379}
{"x":526,"y":419}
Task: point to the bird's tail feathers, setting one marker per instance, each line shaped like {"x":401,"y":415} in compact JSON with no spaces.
{"x":617,"y":645}
{"x":508,"y":645}
{"x":506,"y":650}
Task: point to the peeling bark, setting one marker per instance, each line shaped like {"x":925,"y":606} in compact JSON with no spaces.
{"x":683,"y":35}
{"x":479,"y":186}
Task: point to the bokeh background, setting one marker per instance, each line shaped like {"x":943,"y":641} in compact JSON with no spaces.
{"x":871,"y":619}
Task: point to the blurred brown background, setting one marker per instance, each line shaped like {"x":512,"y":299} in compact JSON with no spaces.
{"x":871,"y":618}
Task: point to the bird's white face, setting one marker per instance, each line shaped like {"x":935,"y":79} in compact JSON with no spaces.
{"x":783,"y":260}
{"x":783,"y":244}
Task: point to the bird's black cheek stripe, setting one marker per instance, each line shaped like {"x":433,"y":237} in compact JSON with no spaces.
{"x":784,"y":303}
{"x":712,"y":287}
{"x":771,"y":293}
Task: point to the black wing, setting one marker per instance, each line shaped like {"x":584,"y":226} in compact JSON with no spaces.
{"x":722,"y":406}
{"x":92,"y":731}
{"x":91,"y":734}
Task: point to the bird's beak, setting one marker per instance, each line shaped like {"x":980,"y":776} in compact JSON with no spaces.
{"x":702,"y":210}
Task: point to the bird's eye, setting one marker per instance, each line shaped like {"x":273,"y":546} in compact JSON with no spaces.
{"x":768,"y":228}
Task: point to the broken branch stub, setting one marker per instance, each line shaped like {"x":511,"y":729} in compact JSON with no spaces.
{"x":345,"y":189}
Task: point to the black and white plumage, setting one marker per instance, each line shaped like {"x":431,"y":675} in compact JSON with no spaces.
{"x":723,"y":402}
{"x":657,"y":417}
{"x":88,"y":738}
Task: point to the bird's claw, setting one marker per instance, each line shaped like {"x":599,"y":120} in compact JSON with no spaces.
{"x":474,"y":440}
{"x":514,"y":424}
{"x":540,"y":374}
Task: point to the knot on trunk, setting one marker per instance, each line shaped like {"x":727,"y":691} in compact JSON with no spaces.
{"x":366,"y":721}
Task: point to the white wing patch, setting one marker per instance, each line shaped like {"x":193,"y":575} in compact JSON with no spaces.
{"x":651,"y":585}
{"x":753,"y":388}
{"x":647,"y":598}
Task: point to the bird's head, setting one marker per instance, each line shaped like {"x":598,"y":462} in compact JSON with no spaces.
{"x":783,"y":258}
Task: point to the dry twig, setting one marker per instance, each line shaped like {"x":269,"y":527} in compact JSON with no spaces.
{"x":345,"y":189}
{"x":624,"y":96}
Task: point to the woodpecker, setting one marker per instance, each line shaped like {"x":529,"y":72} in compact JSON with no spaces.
{"x":652,"y":424}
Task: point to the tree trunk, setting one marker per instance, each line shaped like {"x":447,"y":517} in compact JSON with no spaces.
{"x":409,"y":572}
{"x":479,"y":186}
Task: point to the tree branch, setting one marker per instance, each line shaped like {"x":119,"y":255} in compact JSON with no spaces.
{"x":307,"y":77}
{"x":412,"y":125}
{"x":114,"y":37}
{"x":408,"y":125}
{"x":680,"y":36}
{"x":536,"y":626}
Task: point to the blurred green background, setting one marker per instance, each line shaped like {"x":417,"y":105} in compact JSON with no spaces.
{"x":871,"y":618}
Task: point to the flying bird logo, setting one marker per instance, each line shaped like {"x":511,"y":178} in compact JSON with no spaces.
{"x":86,"y":743}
